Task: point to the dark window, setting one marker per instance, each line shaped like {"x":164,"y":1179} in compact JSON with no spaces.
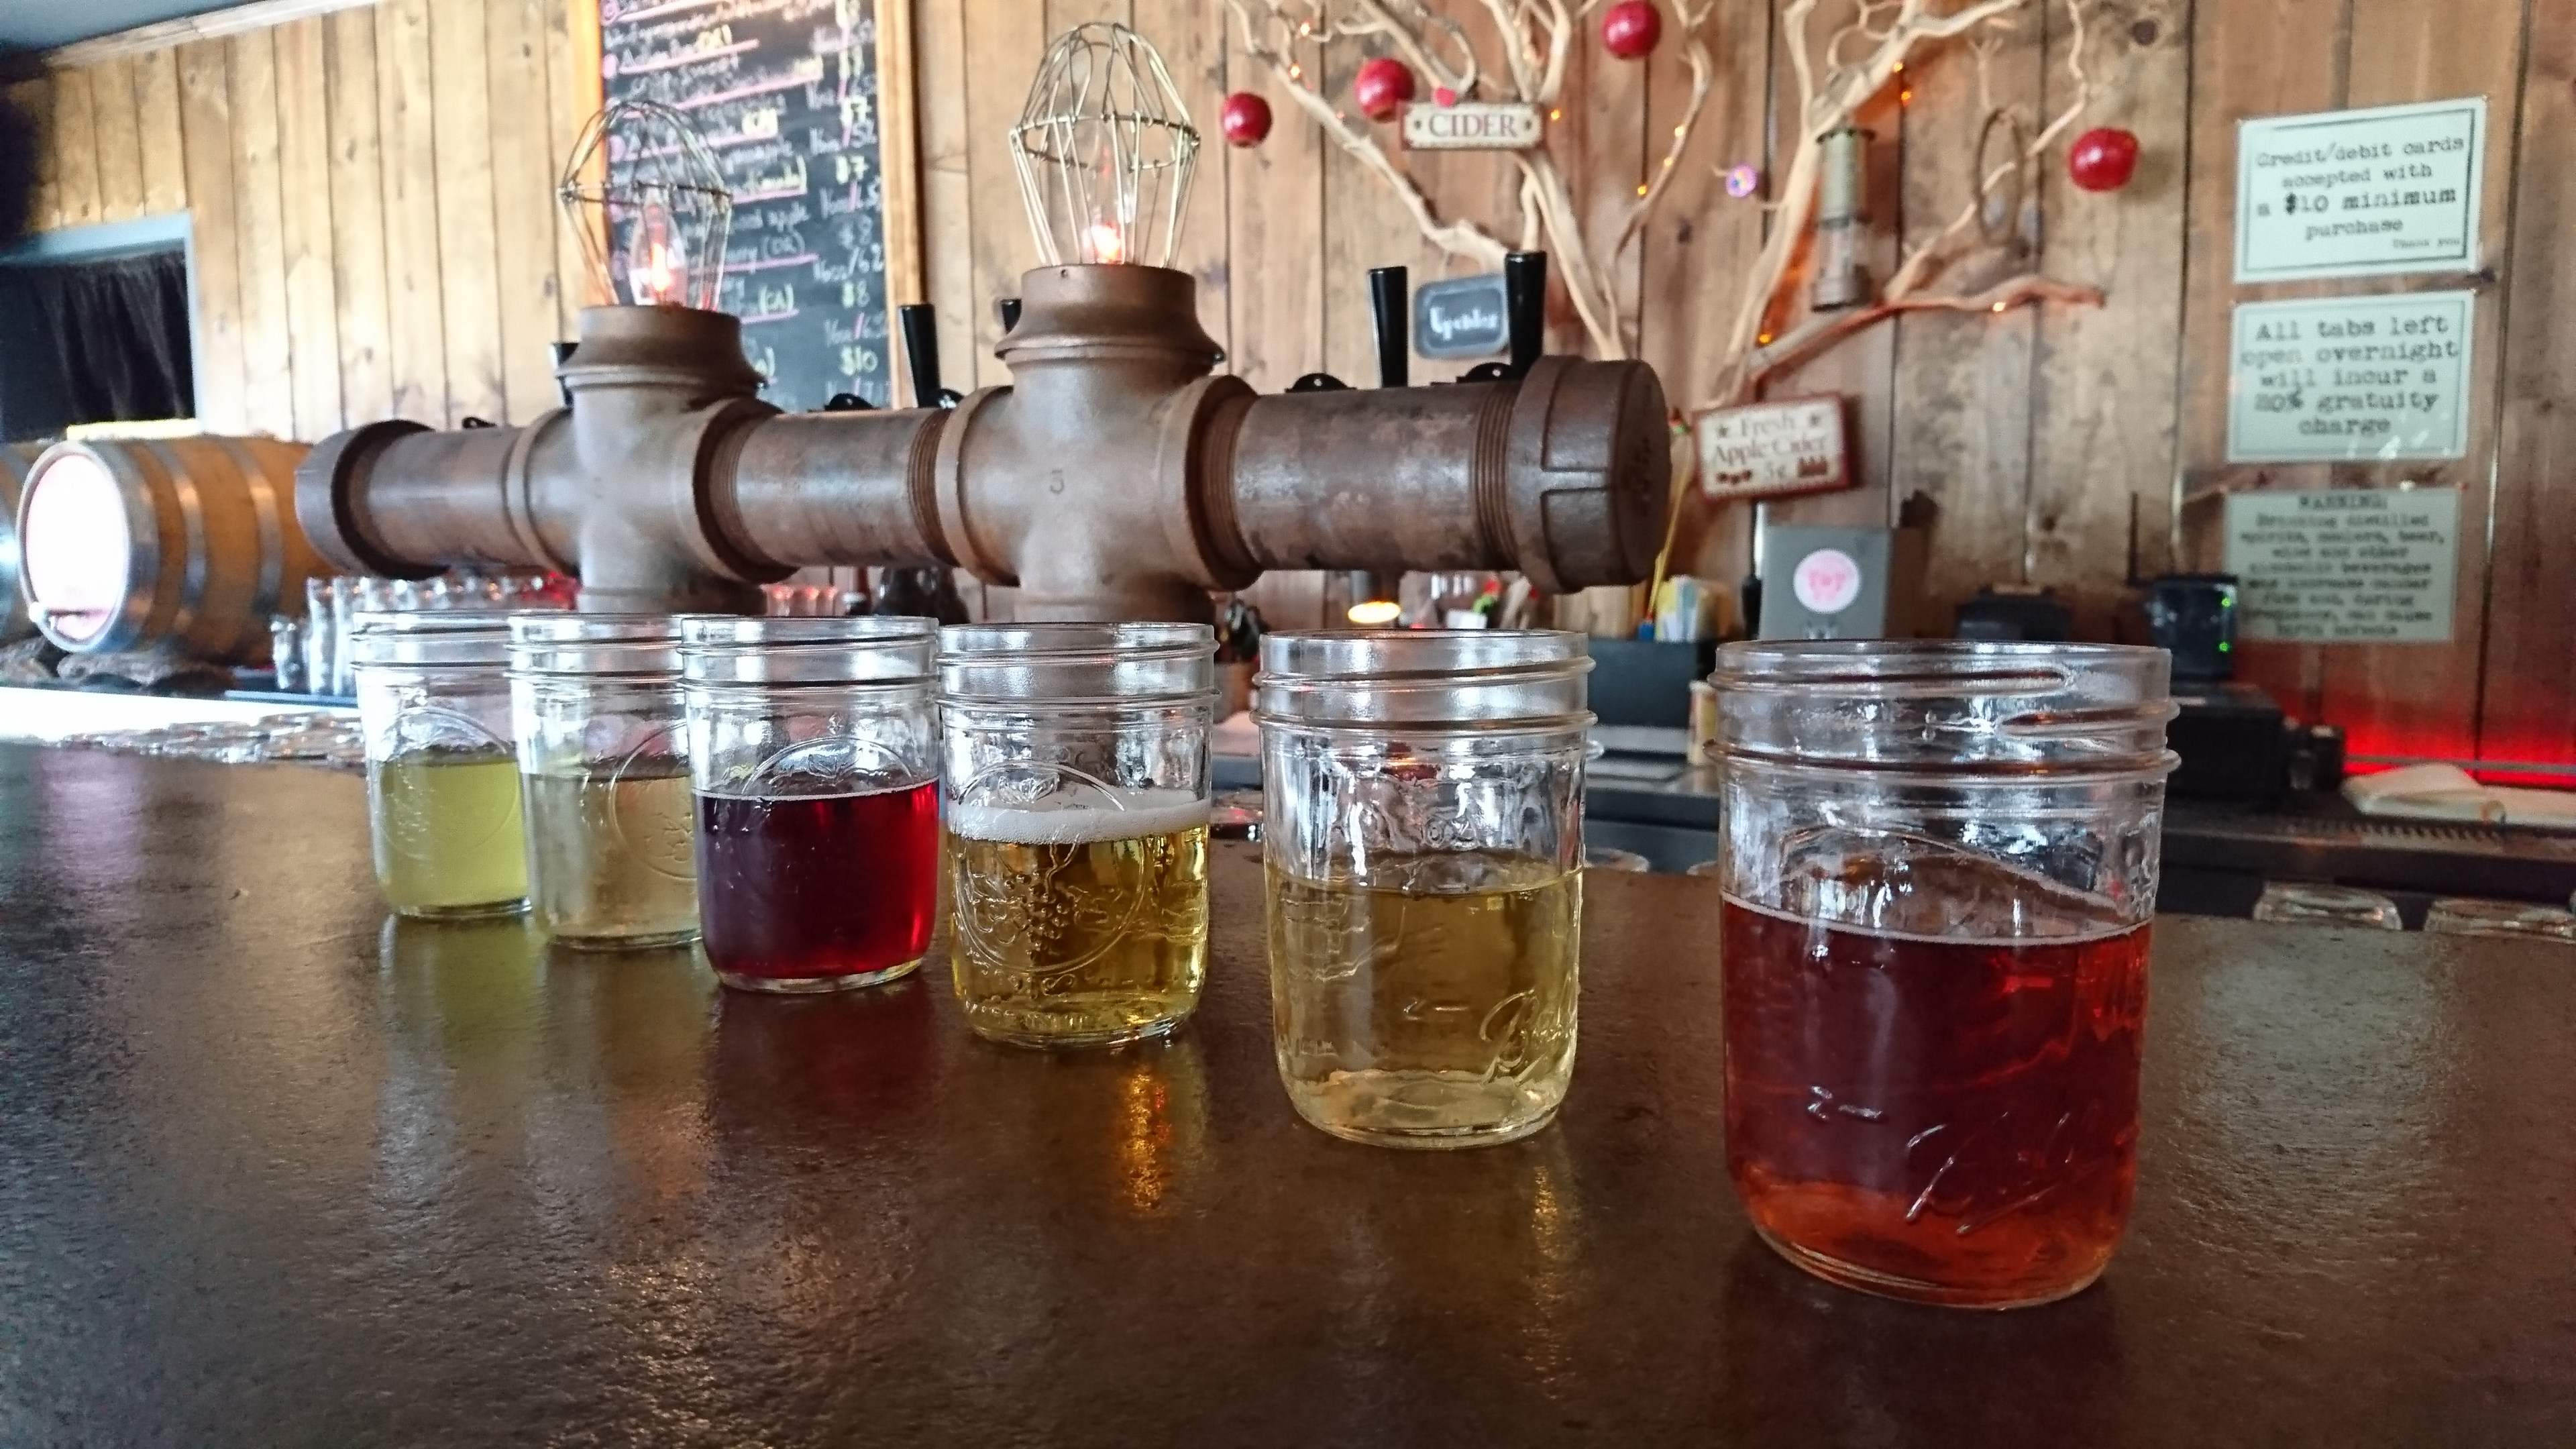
{"x":94,"y":342}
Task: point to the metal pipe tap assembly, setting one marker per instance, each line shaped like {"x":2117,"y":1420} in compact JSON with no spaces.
{"x":1116,"y":477}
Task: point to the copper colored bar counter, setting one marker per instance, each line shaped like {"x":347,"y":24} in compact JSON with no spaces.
{"x":272,"y":1173}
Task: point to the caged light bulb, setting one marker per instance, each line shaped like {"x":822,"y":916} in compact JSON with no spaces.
{"x":650,"y":204}
{"x":1104,"y":150}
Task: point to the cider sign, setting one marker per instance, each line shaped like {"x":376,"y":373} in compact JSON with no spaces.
{"x":1773,"y":449}
{"x":1472,"y":126}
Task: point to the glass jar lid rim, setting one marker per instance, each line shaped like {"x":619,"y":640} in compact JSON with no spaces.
{"x":555,"y":626}
{"x":495,"y":622}
{"x":1044,"y":638}
{"x":1359,"y":656}
{"x":752,"y":631}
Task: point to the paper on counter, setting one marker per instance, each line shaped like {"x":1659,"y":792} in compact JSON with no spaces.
{"x":2447,"y":792}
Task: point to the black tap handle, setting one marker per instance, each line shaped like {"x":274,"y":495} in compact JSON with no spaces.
{"x":848,"y":402}
{"x":1391,"y":298}
{"x":1525,"y":296}
{"x":921,"y":350}
{"x":1319,"y":382}
{"x":1009,"y":308}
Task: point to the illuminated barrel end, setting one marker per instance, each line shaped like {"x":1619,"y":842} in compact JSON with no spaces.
{"x":185,"y":543}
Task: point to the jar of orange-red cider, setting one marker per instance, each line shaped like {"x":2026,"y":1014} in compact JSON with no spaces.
{"x":1939,"y":863}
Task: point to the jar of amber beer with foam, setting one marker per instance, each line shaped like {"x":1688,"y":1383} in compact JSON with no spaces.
{"x":604,"y":771}
{"x":1074,"y":760}
{"x":1938,"y":861}
{"x":814,"y":747}
{"x":442,"y":776}
{"x":1423,"y":840}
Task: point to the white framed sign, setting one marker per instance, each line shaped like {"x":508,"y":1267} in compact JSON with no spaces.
{"x":1773,"y":449}
{"x":2345,"y":565}
{"x":2350,"y":379}
{"x":2360,"y":193}
{"x":1472,"y":126}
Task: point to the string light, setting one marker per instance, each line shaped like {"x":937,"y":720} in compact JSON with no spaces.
{"x":1762,"y":339}
{"x":1556,"y":115}
{"x":1296,"y":71}
{"x":1641,"y":188}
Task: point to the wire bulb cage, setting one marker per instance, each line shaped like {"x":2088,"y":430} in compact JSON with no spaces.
{"x":643,"y":191}
{"x":1104,"y":150}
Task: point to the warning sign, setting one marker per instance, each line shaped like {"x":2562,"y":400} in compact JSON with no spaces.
{"x":2345,"y":565}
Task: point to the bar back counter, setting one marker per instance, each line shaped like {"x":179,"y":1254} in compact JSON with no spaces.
{"x":276,"y":1170}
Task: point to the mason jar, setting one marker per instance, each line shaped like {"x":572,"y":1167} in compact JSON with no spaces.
{"x":1938,"y":860}
{"x":442,"y":778}
{"x":1075,"y":776}
{"x":1423,"y":840}
{"x":814,"y":749}
{"x":604,"y":767}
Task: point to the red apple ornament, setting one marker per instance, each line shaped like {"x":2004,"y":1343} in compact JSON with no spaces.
{"x":1382,"y":85}
{"x":2102,"y":159}
{"x":1630,"y":29}
{"x":1245,"y":119}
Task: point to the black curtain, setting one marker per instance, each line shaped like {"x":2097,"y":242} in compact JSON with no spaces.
{"x":95,"y":342}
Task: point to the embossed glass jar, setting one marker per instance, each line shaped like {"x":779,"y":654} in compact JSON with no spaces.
{"x":604,"y":770}
{"x":1939,"y":861}
{"x":442,"y":774}
{"x":814,"y":751}
{"x":1075,"y":794}
{"x":1423,"y":840}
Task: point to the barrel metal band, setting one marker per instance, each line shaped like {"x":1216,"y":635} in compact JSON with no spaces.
{"x":272,"y":533}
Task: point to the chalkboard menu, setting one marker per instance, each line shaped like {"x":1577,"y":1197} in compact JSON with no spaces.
{"x":785,"y":93}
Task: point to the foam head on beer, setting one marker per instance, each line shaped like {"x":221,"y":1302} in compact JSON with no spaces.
{"x":1081,"y":817}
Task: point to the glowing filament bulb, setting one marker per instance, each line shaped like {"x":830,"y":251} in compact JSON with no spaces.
{"x":1107,"y":244}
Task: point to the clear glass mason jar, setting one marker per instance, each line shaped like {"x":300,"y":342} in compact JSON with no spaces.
{"x":1075,"y":762}
{"x":442,"y":776}
{"x":604,"y":766}
{"x":1423,"y":839}
{"x":1938,"y":861}
{"x":814,"y":749}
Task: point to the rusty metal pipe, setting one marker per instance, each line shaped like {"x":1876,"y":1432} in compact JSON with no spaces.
{"x":1560,"y":475}
{"x":834,"y":488}
{"x":1115,"y":478}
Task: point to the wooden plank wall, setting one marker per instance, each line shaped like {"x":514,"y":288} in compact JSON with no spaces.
{"x":367,"y":244}
{"x":372,"y":194}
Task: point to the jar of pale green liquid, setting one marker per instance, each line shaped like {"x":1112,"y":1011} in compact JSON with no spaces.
{"x":442,"y":773}
{"x":604,"y":768}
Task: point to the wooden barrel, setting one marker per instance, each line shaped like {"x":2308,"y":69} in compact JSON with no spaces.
{"x":14,"y":460}
{"x":184,"y":544}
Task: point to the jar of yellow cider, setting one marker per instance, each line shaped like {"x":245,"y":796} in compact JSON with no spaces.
{"x":442,"y":778}
{"x":1075,"y":794}
{"x":1423,"y":839}
{"x":604,"y":766}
